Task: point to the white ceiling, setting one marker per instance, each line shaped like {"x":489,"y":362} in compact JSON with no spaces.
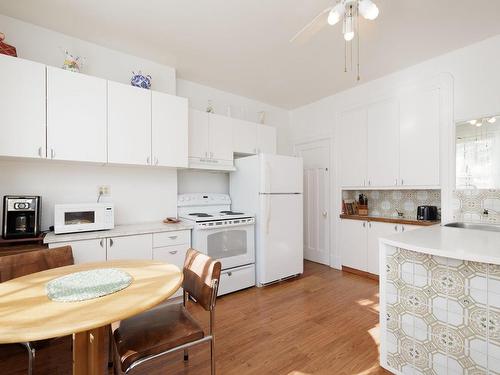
{"x":241,"y":46}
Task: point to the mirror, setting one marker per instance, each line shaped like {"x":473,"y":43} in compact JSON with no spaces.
{"x":478,"y":153}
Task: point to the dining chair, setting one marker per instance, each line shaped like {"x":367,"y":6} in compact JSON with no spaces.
{"x":22,"y":264}
{"x":168,"y":327}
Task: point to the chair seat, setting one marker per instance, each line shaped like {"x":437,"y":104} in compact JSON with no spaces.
{"x":155,"y":331}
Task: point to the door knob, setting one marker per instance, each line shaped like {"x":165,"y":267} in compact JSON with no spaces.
{"x":325,"y":214}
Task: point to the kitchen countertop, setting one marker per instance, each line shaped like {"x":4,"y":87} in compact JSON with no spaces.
{"x":457,"y":243}
{"x":119,"y":230}
{"x":394,"y":220}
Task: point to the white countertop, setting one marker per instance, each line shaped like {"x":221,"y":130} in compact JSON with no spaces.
{"x":119,"y":230}
{"x":465,"y":244}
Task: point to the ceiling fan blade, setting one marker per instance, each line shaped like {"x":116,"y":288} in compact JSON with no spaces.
{"x":312,"y":28}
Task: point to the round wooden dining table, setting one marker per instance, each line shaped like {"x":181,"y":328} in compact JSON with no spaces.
{"x":27,"y":314}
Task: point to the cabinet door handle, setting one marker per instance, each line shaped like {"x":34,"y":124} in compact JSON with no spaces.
{"x":369,"y":224}
{"x":156,"y":161}
{"x":402,"y":228}
{"x":173,"y":237}
{"x":40,"y":151}
{"x":111,"y":242}
{"x":101,"y":243}
{"x":173,"y":252}
{"x":148,"y":160}
{"x":402,"y":182}
{"x":52,"y":153}
{"x":396,"y":228}
{"x":364,"y":224}
{"x":396,"y":183}
{"x":230,"y":274}
{"x":369,"y":182}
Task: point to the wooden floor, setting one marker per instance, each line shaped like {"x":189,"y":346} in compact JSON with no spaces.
{"x":325,"y":322}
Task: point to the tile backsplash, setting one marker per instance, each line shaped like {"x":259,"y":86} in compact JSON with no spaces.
{"x":470,"y":205}
{"x":386,"y":203}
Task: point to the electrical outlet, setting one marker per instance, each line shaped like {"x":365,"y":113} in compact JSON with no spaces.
{"x":104,"y":190}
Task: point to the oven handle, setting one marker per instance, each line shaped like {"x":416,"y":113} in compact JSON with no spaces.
{"x":225,"y":226}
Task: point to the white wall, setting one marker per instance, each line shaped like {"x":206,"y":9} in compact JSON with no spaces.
{"x":476,"y":82}
{"x":45,"y":46}
{"x":139,"y":194}
{"x":196,"y":181}
{"x":240,"y":107}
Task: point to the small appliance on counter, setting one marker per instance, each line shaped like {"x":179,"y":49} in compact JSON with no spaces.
{"x":21,"y":216}
{"x":83,"y":217}
{"x":427,"y":213}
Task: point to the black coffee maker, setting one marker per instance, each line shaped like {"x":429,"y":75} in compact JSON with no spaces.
{"x":21,"y":216}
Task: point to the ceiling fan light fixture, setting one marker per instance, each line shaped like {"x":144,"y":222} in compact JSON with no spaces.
{"x":348,"y":29}
{"x":368,"y":9}
{"x":336,"y":14}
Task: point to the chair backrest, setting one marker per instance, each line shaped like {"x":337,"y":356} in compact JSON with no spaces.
{"x":201,"y":278}
{"x":17,"y":265}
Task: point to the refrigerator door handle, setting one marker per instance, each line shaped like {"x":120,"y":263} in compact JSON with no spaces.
{"x":268,"y":217}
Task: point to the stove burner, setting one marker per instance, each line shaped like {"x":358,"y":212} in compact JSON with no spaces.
{"x":231,"y":213}
{"x":200,"y":214}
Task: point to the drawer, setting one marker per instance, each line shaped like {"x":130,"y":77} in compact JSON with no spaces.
{"x":171,"y":254}
{"x":234,"y":279}
{"x":178,"y":237}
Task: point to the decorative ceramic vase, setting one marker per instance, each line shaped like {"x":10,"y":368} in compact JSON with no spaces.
{"x":71,"y":62}
{"x":140,"y":80}
{"x":6,"y":49}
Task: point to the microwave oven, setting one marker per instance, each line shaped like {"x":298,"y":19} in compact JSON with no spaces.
{"x":83,"y":217}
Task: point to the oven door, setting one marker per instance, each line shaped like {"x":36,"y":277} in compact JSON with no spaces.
{"x":234,"y":246}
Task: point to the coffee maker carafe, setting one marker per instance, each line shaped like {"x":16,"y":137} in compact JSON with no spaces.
{"x":21,"y":216}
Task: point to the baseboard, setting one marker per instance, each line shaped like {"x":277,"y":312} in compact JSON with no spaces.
{"x":360,"y":273}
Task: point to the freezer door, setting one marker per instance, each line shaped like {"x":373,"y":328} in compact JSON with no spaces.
{"x":280,"y":174}
{"x":280,"y":251}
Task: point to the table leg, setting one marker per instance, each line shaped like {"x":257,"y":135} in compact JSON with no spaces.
{"x":90,"y":352}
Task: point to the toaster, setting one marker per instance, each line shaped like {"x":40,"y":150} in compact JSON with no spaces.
{"x":427,"y":213}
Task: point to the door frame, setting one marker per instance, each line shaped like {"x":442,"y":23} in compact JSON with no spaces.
{"x":327,"y":139}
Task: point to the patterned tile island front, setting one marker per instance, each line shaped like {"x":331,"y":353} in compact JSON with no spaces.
{"x":438,"y":314}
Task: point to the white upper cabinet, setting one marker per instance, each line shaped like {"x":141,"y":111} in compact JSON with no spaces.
{"x":169,"y":130}
{"x":129,"y":124}
{"x":383,"y":143}
{"x":22,"y":107}
{"x":220,"y":137}
{"x":419,"y":138}
{"x":198,"y":134}
{"x":266,"y":139}
{"x":210,"y":141}
{"x":244,"y":137}
{"x":352,"y":147}
{"x":76,"y":116}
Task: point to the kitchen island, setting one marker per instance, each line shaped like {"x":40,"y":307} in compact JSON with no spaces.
{"x":440,"y":301}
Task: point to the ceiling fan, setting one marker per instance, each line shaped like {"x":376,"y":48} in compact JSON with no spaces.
{"x":346,"y":10}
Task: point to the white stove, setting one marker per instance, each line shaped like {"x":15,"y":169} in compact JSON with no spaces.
{"x":223,"y":235}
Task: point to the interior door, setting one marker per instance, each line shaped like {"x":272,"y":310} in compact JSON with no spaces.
{"x":383,"y":143}
{"x":169,"y":130}
{"x":76,"y":116}
{"x":316,"y":158}
{"x":22,"y":107}
{"x":129,"y":124}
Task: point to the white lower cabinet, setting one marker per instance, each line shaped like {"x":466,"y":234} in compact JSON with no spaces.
{"x":353,"y":244}
{"x":86,"y":251}
{"x":360,"y":242}
{"x":130,"y":247}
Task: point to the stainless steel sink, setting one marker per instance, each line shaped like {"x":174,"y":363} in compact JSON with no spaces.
{"x":487,"y":227}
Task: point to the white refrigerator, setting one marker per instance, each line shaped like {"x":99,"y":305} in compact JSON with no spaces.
{"x":270,"y":186}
